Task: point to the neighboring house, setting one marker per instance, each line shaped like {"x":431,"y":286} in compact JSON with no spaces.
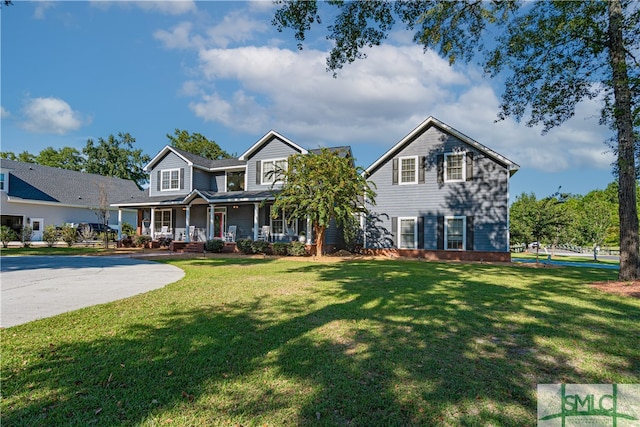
{"x":443,"y":193}
{"x":440,"y":194}
{"x":38,"y":196}
{"x":192,"y":198}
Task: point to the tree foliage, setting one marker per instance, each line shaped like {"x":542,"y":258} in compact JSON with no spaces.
{"x":196,"y":143}
{"x":116,"y":157}
{"x":64,"y":158}
{"x":322,"y":187}
{"x":552,"y":55}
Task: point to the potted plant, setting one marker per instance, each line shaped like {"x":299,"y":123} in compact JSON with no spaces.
{"x":302,"y":237}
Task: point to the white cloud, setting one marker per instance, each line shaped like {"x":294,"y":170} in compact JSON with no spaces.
{"x":50,"y":115}
{"x":41,"y":8}
{"x":172,"y":7}
{"x":178,"y":38}
{"x":4,"y":114}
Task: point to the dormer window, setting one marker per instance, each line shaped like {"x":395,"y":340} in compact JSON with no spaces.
{"x":170,"y":179}
{"x":235,"y":181}
{"x":3,"y":185}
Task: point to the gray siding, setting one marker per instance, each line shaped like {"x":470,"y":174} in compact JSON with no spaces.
{"x":242,"y":217}
{"x":170,"y":161}
{"x":274,"y":149}
{"x":484,"y":197}
{"x":201,"y":180}
{"x":218,"y":182}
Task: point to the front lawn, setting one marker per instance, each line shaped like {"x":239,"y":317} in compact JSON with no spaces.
{"x":278,"y":342}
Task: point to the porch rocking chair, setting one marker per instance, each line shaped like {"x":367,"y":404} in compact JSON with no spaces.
{"x":230,"y":235}
{"x":264,"y":233}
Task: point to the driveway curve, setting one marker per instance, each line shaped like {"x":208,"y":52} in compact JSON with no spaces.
{"x":35,"y":287}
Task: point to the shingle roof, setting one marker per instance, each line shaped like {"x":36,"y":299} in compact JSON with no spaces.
{"x":29,"y":181}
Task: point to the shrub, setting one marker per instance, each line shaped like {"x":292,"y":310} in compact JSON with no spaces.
{"x":215,"y":245}
{"x":126,"y":242}
{"x":297,"y":249}
{"x":50,"y":235}
{"x":85,"y":233}
{"x":280,"y":248}
{"x":7,"y":235}
{"x":142,"y":241}
{"x":127,"y":229}
{"x":25,"y":236}
{"x":69,"y":235}
{"x":244,"y":246}
{"x":260,"y":247}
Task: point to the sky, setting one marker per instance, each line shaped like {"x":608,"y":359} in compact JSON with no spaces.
{"x":78,"y":70}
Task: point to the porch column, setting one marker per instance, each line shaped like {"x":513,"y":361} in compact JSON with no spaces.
{"x":152,"y":226}
{"x":212,"y":216}
{"x":119,"y":223}
{"x":188,"y":222}
{"x":309,"y":231}
{"x":256,"y":211}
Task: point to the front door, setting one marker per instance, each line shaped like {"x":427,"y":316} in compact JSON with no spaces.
{"x":218,"y":224}
{"x":37,"y":224}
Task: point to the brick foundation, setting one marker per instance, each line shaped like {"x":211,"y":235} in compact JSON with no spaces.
{"x":442,"y":255}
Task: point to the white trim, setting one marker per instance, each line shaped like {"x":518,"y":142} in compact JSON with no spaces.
{"x":432,"y":121}
{"x":162,"y":153}
{"x":464,"y":166}
{"x":275,"y":181}
{"x":267,"y":138}
{"x":5,"y":181}
{"x":415,"y":231}
{"x":162,"y":172}
{"x":415,"y":170}
{"x":464,"y":233}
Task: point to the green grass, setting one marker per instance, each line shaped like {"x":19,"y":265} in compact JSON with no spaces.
{"x":586,"y":258}
{"x":280,"y":342}
{"x":57,"y":250}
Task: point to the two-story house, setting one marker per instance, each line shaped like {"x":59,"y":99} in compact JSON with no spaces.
{"x":440,"y":194}
{"x":191,"y":198}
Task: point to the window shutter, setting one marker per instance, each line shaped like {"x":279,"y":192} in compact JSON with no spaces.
{"x":469,"y":233}
{"x":469,"y":166}
{"x":440,"y":161}
{"x":420,"y":232}
{"x":258,"y":172}
{"x":159,"y":180}
{"x":394,"y":230}
{"x":422,"y":161}
{"x":394,"y":179}
{"x":182,"y":178}
{"x":440,"y":233}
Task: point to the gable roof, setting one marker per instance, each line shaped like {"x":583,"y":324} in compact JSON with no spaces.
{"x":432,"y":121}
{"x":194,"y":160}
{"x":266,"y":139}
{"x":29,"y":182}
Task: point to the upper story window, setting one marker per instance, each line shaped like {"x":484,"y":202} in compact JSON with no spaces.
{"x":454,"y":167}
{"x":235,"y":181}
{"x":273,"y":171}
{"x":170,"y":179}
{"x":408,"y":170}
{"x":3,"y":185}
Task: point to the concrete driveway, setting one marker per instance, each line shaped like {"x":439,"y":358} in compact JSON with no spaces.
{"x":34,"y":287}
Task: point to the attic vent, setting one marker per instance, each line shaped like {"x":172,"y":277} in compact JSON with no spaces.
{"x":79,"y":197}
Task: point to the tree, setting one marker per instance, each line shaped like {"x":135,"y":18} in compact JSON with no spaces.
{"x":197,"y":144}
{"x":322,"y":187}
{"x":64,"y":158}
{"x":556,"y":54}
{"x":25,"y":156}
{"x":116,"y":157}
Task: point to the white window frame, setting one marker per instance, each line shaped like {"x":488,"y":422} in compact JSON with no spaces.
{"x":415,"y":231}
{"x":415,"y":170}
{"x":158,"y":220}
{"x":4,"y":182}
{"x":275,"y":179}
{"x":169,"y":171}
{"x":463,"y":154}
{"x":226,"y":180}
{"x":464,"y":232}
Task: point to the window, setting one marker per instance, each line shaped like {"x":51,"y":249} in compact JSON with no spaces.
{"x":454,"y":167}
{"x":162,"y":219}
{"x":454,"y":233}
{"x":408,"y":170}
{"x":408,"y":233}
{"x":170,"y":179}
{"x":283,"y":224}
{"x":2,"y":184}
{"x":273,"y":170}
{"x":235,"y":181}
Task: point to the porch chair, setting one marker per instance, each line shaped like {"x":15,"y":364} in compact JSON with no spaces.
{"x":192,"y":233}
{"x":230,"y":235}
{"x":264,"y":233}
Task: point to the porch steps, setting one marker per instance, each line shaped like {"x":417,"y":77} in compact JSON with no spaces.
{"x":191,"y":247}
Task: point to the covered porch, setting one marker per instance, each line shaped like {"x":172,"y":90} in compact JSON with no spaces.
{"x":203,"y":216}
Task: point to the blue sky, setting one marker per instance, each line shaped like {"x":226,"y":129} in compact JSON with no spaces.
{"x":87,"y":69}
